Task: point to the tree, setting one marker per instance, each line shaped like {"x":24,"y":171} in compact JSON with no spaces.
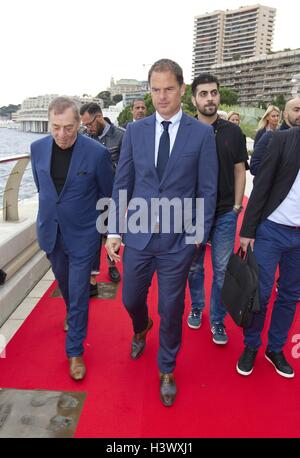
{"x":279,"y":101}
{"x":6,"y":111}
{"x":106,"y":97}
{"x":117,"y":98}
{"x":228,"y":96}
{"x":149,"y":104}
{"x":125,"y":116}
{"x":187,"y":104}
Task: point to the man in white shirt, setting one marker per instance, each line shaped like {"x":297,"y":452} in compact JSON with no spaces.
{"x":272,"y":227}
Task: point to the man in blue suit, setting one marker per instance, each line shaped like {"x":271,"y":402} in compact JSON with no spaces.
{"x":168,"y":157}
{"x":71,"y":172}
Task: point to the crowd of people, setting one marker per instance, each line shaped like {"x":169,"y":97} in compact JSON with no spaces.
{"x":170,"y":155}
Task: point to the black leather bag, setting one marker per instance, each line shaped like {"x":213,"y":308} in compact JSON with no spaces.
{"x":240,"y":292}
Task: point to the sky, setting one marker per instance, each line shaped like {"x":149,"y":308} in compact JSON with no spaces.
{"x":72,"y":47}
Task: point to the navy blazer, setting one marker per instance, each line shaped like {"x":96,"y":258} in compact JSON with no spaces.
{"x":191,"y":171}
{"x":89,"y":178}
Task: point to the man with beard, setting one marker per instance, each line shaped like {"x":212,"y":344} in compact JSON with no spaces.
{"x":232,"y":155}
{"x":291,"y":118}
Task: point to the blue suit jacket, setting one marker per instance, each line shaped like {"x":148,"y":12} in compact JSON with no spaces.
{"x":89,"y":178}
{"x":192,"y":171}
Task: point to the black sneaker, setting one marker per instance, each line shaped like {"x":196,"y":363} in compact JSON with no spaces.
{"x":194,"y":319}
{"x":281,"y":365}
{"x":219,"y":334}
{"x":246,"y":362}
{"x":93,"y":290}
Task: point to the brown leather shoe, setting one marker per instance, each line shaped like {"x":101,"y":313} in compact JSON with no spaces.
{"x":66,"y":326}
{"x":139,"y":341}
{"x":77,"y":367}
{"x":167,"y":389}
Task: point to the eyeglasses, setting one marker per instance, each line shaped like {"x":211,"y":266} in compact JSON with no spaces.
{"x":89,"y":124}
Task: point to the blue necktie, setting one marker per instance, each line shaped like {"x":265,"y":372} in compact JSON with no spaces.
{"x":163,"y":150}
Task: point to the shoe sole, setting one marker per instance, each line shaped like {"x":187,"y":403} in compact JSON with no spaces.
{"x":217,"y":342}
{"x":193,"y":326}
{"x":239,"y":371}
{"x":277,"y":370}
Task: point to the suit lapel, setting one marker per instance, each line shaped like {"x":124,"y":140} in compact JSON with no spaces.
{"x":149,"y":135}
{"x":48,"y":157}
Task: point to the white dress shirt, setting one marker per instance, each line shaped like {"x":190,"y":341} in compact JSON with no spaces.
{"x":288,"y":212}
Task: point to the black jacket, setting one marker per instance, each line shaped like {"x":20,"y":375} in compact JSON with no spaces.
{"x":261,"y":147}
{"x":113,"y":142}
{"x":277,"y":174}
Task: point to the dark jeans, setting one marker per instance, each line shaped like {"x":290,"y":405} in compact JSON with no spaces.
{"x":276,"y":245}
{"x":222,"y":238}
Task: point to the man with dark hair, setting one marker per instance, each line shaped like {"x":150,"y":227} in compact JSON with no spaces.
{"x":99,"y":129}
{"x":138,"y":110}
{"x":110,"y":136}
{"x":232,"y":155}
{"x":71,"y":173}
{"x":148,"y":171}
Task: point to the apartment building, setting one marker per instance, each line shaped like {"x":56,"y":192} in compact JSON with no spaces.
{"x":222,"y":36}
{"x":262,"y":78}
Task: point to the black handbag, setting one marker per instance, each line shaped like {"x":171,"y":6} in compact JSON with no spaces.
{"x":240,"y":292}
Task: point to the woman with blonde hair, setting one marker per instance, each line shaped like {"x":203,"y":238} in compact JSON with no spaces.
{"x":234,"y":116}
{"x":269,"y":121}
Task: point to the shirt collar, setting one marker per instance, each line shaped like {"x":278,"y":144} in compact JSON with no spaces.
{"x":174,"y":120}
{"x":105,"y":130}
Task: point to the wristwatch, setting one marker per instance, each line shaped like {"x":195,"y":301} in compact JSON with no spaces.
{"x":237,"y":208}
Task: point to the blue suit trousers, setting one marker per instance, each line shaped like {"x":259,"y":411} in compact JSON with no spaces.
{"x":73,"y":275}
{"x":172,"y":272}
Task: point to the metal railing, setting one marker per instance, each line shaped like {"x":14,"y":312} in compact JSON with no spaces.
{"x":10,"y":195}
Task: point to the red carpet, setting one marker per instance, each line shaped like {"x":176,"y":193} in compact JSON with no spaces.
{"x":123,"y":395}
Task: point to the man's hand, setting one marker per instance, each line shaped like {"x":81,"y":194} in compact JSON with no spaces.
{"x":244,"y":242}
{"x":112,"y":245}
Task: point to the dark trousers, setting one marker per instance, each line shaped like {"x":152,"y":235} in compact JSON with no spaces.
{"x":172,"y":272}
{"x":276,"y":245}
{"x":72,"y":274}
